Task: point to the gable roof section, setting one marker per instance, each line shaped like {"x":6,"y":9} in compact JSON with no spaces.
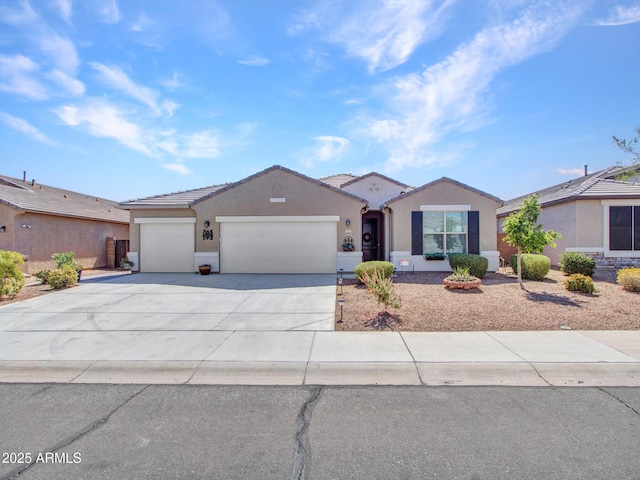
{"x":284,"y":169}
{"x":599,"y":184}
{"x":45,"y":199}
{"x":357,"y":179}
{"x":189,"y":198}
{"x":440,"y":180}
{"x":183,"y":199}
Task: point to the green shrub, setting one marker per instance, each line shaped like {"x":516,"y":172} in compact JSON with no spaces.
{"x":385,"y":269}
{"x":382,"y":289}
{"x":629,"y":278}
{"x":66,"y":258}
{"x":576,"y":262}
{"x":534,"y":265}
{"x":63,"y":277}
{"x":476,"y":264}
{"x":578,"y":282}
{"x":11,"y":277}
{"x":43,"y":276}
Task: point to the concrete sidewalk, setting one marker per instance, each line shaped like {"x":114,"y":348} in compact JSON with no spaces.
{"x":542,"y":358}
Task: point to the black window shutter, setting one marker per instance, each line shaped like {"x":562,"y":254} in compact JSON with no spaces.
{"x":636,"y":228}
{"x":416,"y":233}
{"x":473,"y":224}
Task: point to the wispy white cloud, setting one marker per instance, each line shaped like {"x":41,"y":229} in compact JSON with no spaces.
{"x":573,"y":172}
{"x":108,"y":10}
{"x":114,"y":77}
{"x":60,"y":50}
{"x":327,"y":148}
{"x":622,"y":15}
{"x":203,"y":144}
{"x":383,"y":34}
{"x":65,"y":9}
{"x":18,"y":77}
{"x":173,"y":82}
{"x":99,"y":118}
{"x":72,"y":85}
{"x":178,"y":167}
{"x":25,"y":127}
{"x":23,"y":15}
{"x":255,"y":61}
{"x":451,"y":95}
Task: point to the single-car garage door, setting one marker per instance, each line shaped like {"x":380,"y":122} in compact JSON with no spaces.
{"x":278,"y":244}
{"x":166,"y":244}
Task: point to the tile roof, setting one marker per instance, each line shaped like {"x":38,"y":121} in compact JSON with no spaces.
{"x":190,"y":197}
{"x":45,"y":199}
{"x":182,"y":199}
{"x":338,"y":180}
{"x":600,"y":184}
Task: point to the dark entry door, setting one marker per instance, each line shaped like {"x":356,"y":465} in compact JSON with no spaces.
{"x":370,"y":239}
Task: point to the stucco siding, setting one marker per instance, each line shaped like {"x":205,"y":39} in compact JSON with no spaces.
{"x":375,"y":190}
{"x":7,"y":220}
{"x":589,"y":224}
{"x":443,"y":193}
{"x":254,"y":198}
{"x":562,"y":219}
{"x":50,"y":234}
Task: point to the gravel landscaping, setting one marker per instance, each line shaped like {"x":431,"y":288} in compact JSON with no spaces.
{"x":499,"y":304}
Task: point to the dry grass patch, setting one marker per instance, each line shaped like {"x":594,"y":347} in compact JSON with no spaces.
{"x":498,"y":304}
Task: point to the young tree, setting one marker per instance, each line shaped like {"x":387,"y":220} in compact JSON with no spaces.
{"x":524,"y":232}
{"x":630,"y":147}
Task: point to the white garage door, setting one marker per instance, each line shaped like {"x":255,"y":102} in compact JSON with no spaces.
{"x":278,"y":245}
{"x":167,"y":246}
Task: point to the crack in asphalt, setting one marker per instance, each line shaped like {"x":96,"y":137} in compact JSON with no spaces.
{"x":77,"y":436}
{"x":620,"y":400}
{"x":301,"y":443}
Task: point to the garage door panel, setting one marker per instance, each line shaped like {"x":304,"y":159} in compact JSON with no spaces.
{"x":278,"y":247}
{"x":166,"y":247}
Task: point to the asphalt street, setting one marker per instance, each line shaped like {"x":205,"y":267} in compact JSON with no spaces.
{"x":91,"y":431}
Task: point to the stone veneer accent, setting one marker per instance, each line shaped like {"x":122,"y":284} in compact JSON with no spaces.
{"x":613,"y":262}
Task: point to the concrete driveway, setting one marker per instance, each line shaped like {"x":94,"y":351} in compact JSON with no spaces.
{"x":147,"y":316}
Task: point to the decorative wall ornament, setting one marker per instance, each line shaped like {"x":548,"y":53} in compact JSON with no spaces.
{"x":207,"y":234}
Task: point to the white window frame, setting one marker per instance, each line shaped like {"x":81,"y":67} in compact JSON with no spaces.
{"x":448,"y":209}
{"x":605,"y":227}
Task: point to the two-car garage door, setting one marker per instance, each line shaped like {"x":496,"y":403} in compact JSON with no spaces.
{"x":278,"y":244}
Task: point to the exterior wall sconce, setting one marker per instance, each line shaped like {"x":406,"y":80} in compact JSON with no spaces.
{"x":3,"y":228}
{"x":347,"y":222}
{"x":207,"y":223}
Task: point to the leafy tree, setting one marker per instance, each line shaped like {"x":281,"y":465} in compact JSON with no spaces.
{"x":630,"y":147}
{"x":524,"y":232}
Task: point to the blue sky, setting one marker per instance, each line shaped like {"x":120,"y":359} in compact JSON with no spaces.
{"x":126,"y":99}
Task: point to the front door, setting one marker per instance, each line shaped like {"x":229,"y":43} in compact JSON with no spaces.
{"x":370,"y":239}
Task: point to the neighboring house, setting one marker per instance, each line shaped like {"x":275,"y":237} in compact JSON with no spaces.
{"x":280,"y":221}
{"x":39,"y":220}
{"x":596,"y":214}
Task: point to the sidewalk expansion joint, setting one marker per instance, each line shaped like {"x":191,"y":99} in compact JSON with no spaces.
{"x":523,"y":359}
{"x":415,"y":364}
{"x":77,"y":436}
{"x":618,"y":399}
{"x":302,"y":445}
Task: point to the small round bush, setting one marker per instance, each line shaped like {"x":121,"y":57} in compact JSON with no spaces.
{"x":534,"y":265}
{"x":43,"y":276}
{"x":63,"y":277}
{"x":578,"y":282}
{"x":11,"y":278}
{"x":629,"y":278}
{"x":385,"y":269}
{"x":476,"y":264}
{"x":577,"y":262}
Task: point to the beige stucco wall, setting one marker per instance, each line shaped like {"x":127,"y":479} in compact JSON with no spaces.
{"x":376,"y":190}
{"x":443,"y":193}
{"x":589,"y":224}
{"x":7,"y":216}
{"x":134,"y":228}
{"x":303,"y":198}
{"x":50,"y":234}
